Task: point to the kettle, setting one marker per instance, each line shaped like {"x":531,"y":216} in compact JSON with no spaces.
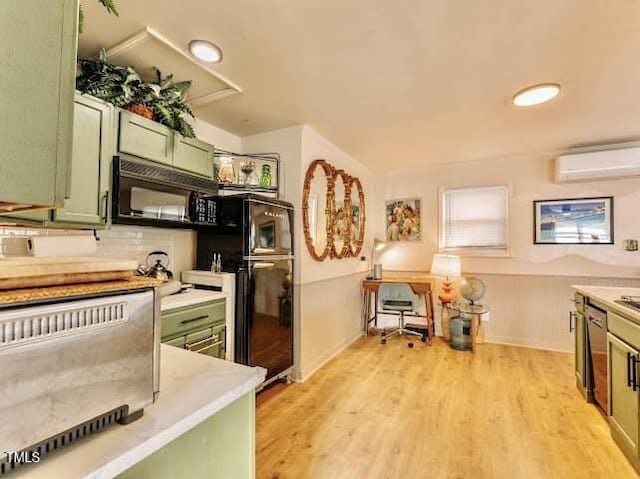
{"x":159,"y":270}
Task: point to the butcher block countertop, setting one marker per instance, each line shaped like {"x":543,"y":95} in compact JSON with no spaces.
{"x":29,"y":295}
{"x":19,"y":267}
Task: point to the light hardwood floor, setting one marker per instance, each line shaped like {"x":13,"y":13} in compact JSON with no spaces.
{"x":392,"y":412}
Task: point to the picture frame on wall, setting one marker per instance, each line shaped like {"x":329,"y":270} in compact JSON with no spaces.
{"x":403,"y":220}
{"x":574,"y":221}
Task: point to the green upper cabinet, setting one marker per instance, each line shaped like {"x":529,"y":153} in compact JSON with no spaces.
{"x":144,"y":138}
{"x":193,"y":155}
{"x":93,"y":148}
{"x":150,"y":140}
{"x":624,"y":402}
{"x":38,"y":43}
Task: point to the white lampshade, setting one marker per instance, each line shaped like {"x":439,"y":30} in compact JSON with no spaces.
{"x":447,"y":265}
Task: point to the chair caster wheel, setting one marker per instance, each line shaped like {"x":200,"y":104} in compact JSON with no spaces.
{"x":383,"y":341}
{"x":383,"y":333}
{"x":423,"y":338}
{"x":410,"y":345}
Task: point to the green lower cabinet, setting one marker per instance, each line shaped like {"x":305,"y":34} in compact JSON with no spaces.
{"x":221,"y":447}
{"x":624,"y":402}
{"x":199,"y":328}
{"x":580,"y":353}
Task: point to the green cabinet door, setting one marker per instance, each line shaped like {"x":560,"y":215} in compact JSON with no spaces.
{"x":93,"y":149}
{"x":144,"y":138}
{"x":38,"y":43}
{"x":624,"y":402}
{"x":580,"y":350}
{"x":193,"y":155}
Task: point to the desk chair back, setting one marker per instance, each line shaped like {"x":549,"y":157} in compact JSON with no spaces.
{"x":397,"y":297}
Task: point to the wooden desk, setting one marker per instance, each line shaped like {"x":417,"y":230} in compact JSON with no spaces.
{"x":421,"y":285}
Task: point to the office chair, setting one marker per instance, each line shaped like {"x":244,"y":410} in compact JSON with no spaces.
{"x":398,"y":299}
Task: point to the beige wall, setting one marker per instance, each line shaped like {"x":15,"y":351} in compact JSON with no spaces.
{"x":528,"y":180}
{"x":528,"y":291}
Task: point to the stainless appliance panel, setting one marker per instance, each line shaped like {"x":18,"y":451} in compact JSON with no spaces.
{"x":66,"y":363}
{"x":597,"y":334}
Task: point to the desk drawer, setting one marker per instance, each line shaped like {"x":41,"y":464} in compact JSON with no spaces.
{"x":198,"y":317}
{"x":624,"y":329}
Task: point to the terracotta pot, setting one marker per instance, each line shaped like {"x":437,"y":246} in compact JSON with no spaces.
{"x":142,"y":110}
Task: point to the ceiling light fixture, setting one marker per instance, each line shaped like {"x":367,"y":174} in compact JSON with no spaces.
{"x":205,"y":51}
{"x":536,"y":94}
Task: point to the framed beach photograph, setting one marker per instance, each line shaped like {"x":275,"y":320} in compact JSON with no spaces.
{"x":403,"y":220}
{"x":573,"y":221}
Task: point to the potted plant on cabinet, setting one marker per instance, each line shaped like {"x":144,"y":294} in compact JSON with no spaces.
{"x":162,"y":100}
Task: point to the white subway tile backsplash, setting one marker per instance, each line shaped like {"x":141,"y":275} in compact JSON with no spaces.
{"x":128,"y":242}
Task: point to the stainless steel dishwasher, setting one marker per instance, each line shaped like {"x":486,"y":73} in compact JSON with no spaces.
{"x":597,"y":334}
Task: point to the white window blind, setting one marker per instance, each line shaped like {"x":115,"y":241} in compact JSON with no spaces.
{"x":474,"y":218}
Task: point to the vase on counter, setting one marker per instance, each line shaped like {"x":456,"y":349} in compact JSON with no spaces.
{"x":265,"y":176}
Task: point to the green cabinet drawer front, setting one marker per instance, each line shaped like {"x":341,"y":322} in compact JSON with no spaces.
{"x":624,"y":403}
{"x":624,"y":328}
{"x":193,"y":155}
{"x":188,"y":319}
{"x":93,"y":148}
{"x":38,"y":42}
{"x":145,"y":138}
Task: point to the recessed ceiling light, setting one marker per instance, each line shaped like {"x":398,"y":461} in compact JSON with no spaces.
{"x":205,"y":51}
{"x":536,"y":94}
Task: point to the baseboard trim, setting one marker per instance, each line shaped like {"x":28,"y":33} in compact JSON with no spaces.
{"x":326,"y":358}
{"x":524,"y":344}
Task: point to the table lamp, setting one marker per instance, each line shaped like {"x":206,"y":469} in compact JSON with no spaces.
{"x":376,"y":246}
{"x":448,"y":266}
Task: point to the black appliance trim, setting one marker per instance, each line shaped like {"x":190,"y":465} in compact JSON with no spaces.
{"x":165,"y":176}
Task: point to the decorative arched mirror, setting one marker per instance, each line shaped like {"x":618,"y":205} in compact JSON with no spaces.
{"x":341,"y":214}
{"x":358,"y":219}
{"x":317,"y":206}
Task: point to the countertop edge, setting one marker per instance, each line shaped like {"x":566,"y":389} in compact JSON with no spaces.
{"x":625,"y":312}
{"x":155,"y":443}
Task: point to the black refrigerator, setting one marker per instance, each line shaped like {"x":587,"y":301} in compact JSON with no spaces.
{"x":254,"y":235}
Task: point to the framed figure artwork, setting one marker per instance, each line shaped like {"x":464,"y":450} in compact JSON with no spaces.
{"x":402,"y":220}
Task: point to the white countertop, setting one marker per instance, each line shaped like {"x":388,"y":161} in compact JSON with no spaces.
{"x":193,"y":387}
{"x":607,"y":296}
{"x":195,"y":296}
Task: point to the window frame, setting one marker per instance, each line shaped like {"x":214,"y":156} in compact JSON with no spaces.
{"x":481,"y":251}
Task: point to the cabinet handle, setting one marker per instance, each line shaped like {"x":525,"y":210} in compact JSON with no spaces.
{"x":571,"y":321}
{"x":634,"y":373}
{"x":105,"y":213}
{"x":187,"y":321}
{"x":628,"y":369}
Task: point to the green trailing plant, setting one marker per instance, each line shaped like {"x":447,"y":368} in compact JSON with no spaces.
{"x":109,"y":5}
{"x":123,"y":87}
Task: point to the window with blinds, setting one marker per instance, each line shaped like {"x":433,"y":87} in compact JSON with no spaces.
{"x":474,"y":218}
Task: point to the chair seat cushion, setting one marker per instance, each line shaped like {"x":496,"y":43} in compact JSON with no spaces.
{"x":397,"y":305}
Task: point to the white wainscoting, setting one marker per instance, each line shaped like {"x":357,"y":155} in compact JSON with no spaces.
{"x":533,"y":311}
{"x":329,"y":321}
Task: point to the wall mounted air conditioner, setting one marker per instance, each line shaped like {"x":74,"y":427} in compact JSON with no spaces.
{"x":604,"y":164}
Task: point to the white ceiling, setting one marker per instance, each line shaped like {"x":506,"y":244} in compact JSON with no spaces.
{"x":410,"y":83}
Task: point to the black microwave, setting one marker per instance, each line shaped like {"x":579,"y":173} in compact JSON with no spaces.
{"x":151,"y":195}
